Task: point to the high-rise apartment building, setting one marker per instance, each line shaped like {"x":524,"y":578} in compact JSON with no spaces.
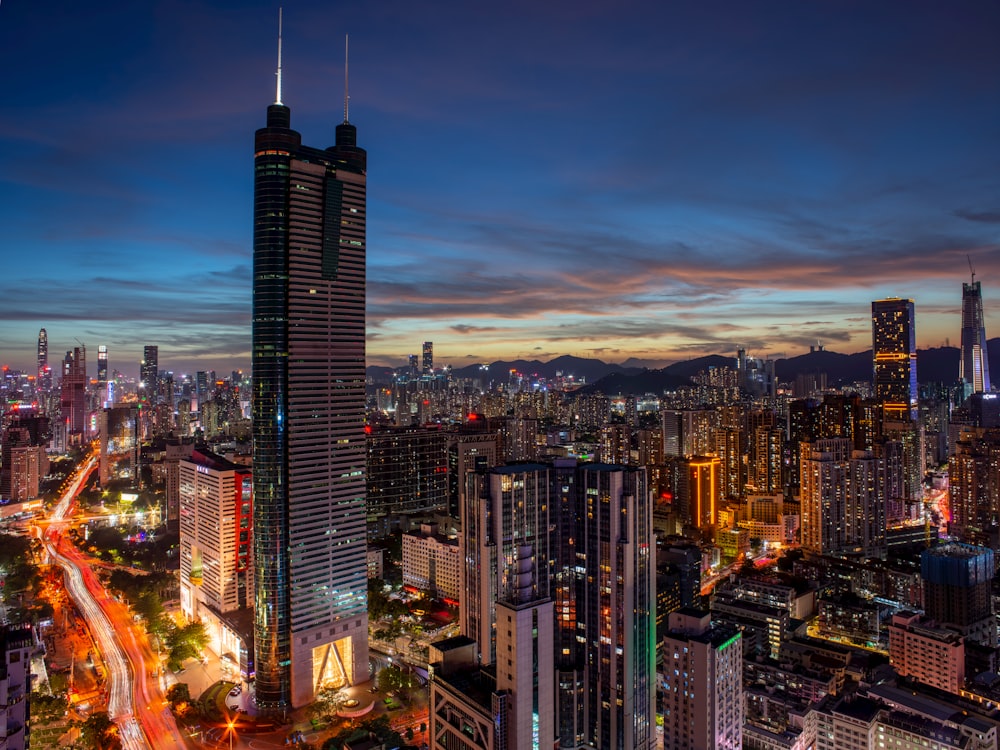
{"x":407,"y":470}
{"x":506,"y":508}
{"x":844,"y":494}
{"x":615,"y":609}
{"x":149,"y":372}
{"x":894,"y":355}
{"x":23,"y":462}
{"x":974,"y":486}
{"x":558,"y":577}
{"x":701,"y":683}
{"x":311,"y":621}
{"x":974,"y":364}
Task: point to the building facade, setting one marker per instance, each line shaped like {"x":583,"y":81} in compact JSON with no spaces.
{"x":16,"y":644}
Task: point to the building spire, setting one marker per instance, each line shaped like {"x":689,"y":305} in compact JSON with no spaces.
{"x":347,"y":97}
{"x":277,"y":96}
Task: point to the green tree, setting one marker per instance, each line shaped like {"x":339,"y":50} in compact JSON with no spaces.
{"x":100,"y":732}
{"x":48,"y":707}
{"x":178,"y":693}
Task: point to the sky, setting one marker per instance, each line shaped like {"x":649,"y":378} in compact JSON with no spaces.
{"x":648,"y":181}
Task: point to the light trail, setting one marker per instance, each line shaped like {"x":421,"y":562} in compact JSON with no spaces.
{"x":131,"y":699}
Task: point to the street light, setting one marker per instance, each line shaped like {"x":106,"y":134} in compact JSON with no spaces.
{"x":232,"y":731}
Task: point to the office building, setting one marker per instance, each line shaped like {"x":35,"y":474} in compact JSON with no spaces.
{"x":73,"y":396}
{"x":44,"y":371}
{"x":467,"y":710}
{"x":308,"y":405}
{"x":149,"y":373}
{"x":428,"y":358}
{"x":16,"y":645}
{"x":216,"y":530}
{"x":102,"y":364}
{"x":957,"y":582}
{"x":974,"y":363}
{"x":704,"y":491}
{"x":701,"y":683}
{"x":894,"y":357}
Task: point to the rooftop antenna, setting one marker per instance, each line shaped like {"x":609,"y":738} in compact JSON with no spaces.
{"x":971,"y":268}
{"x":347,"y":98}
{"x":277,"y":95}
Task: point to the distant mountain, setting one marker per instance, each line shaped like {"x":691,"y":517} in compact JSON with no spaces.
{"x":939,"y":364}
{"x":935,"y":365}
{"x":839,"y":368}
{"x":580,"y":368}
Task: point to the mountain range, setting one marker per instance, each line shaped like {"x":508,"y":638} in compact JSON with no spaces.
{"x":938,"y":364}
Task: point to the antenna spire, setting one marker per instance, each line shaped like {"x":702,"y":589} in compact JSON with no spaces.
{"x":277,"y":96}
{"x":971,"y":268}
{"x":347,"y":97}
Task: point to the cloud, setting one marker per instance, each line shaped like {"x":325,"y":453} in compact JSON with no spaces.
{"x":985,"y":217}
{"x":465,"y":329}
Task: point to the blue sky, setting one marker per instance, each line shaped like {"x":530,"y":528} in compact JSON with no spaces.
{"x":656,"y":180}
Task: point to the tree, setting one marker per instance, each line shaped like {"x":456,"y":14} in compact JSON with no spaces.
{"x":100,"y":732}
{"x":393,"y":678}
{"x":48,"y":707}
{"x":178,"y":693}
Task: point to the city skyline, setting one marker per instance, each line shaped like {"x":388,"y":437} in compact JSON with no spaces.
{"x":605,"y":182}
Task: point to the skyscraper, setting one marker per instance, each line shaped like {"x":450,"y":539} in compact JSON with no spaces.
{"x":73,"y":395}
{"x":894,"y":355}
{"x":428,"y":363}
{"x":102,"y":364}
{"x":149,"y":371}
{"x":974,"y":365}
{"x":311,"y":622}
{"x":44,"y":372}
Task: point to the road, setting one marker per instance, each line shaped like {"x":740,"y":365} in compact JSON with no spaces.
{"x":135,"y":702}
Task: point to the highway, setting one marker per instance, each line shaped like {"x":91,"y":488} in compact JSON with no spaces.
{"x":135,"y":703}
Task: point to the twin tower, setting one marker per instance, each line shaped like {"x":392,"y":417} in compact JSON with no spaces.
{"x":310,"y":581}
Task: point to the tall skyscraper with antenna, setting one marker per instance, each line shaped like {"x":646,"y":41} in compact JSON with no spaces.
{"x":310,"y":619}
{"x":974,"y":365}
